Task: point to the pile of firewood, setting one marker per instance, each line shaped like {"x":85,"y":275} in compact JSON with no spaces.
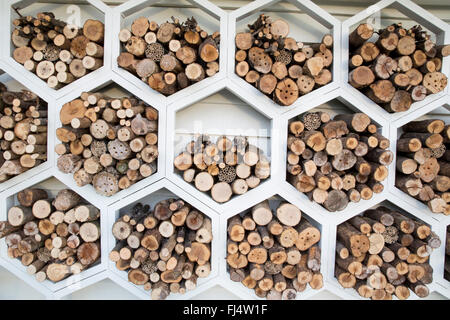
{"x":423,"y":168}
{"x":276,"y":254}
{"x":280,"y":66}
{"x":384,"y":252}
{"x":55,"y":51}
{"x":165,"y":249}
{"x":336,"y":161}
{"x":171,"y":56}
{"x":110,"y":143}
{"x":400,"y":67}
{"x":53,"y":238}
{"x":224,"y":168}
{"x":23,"y":132}
{"x":447,"y":256}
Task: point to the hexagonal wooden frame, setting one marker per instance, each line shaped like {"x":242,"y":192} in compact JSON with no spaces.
{"x":112,"y":78}
{"x":416,"y":13}
{"x":42,"y":85}
{"x":317,"y":13}
{"x":121,"y":278}
{"x":166,"y":178}
{"x":133,"y":6}
{"x":238,"y":288}
{"x":51,"y":120}
{"x":73,"y":282}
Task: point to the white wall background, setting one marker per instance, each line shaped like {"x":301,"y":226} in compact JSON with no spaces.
{"x":199,"y":114}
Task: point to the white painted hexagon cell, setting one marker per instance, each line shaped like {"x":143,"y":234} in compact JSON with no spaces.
{"x":75,"y":14}
{"x":209,"y":17}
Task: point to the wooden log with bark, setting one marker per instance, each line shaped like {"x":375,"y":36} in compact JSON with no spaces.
{"x":422,"y":165}
{"x":110,"y":143}
{"x":277,"y":250}
{"x":397,"y":68}
{"x":23,"y":127}
{"x":375,"y":263}
{"x":55,"y":51}
{"x":171,"y":56}
{"x":226,"y":167}
{"x":42,"y":233}
{"x":279,"y":66}
{"x":336,"y":161}
{"x":168,"y":245}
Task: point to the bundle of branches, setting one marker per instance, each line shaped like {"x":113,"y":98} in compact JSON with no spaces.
{"x":225,"y":167}
{"x":398,"y":68}
{"x":276,"y":254}
{"x":280,"y":66}
{"x":170,"y":56}
{"x":55,"y":51}
{"x":337,"y":161}
{"x":110,"y":143}
{"x":53,"y":238}
{"x":23,"y":132}
{"x":383,"y":252}
{"x":165,"y":249}
{"x":423,"y":168}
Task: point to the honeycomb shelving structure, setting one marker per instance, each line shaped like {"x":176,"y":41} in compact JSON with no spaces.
{"x":165,"y":182}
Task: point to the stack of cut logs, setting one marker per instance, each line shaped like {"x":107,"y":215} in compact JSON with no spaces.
{"x":23,"y":132}
{"x":54,"y":238}
{"x":384,"y":253}
{"x":166,"y":249}
{"x":110,"y":143}
{"x":447,"y":256}
{"x":400,"y":67}
{"x":423,"y":168}
{"x":336,"y":161}
{"x":277,"y":256}
{"x":280,"y":66}
{"x":224,"y":168}
{"x":55,"y":51}
{"x":171,"y":56}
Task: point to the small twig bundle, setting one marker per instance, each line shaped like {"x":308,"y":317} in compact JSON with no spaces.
{"x":337,"y":161}
{"x":400,"y":67}
{"x":165,"y":249}
{"x":23,"y":132}
{"x":224,"y":168}
{"x":383,"y":253}
{"x":55,"y":51}
{"x":423,"y":168}
{"x":54,"y":238}
{"x":170,"y":56}
{"x":275,"y":254}
{"x":110,"y":143}
{"x":280,"y":66}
